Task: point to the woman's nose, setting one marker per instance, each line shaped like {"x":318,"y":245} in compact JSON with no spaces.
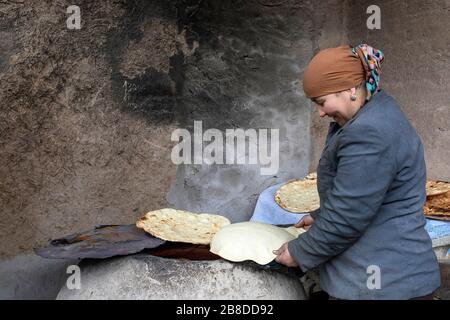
{"x":322,"y":114}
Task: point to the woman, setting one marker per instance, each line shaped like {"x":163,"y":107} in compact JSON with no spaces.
{"x":368,"y":235}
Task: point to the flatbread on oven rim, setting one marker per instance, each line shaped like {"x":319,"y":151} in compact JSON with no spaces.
{"x":182,"y":226}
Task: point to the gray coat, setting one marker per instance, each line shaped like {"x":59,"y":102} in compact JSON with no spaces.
{"x":371,"y":182}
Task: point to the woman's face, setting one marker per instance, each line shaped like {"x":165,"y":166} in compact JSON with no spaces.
{"x":335,"y":105}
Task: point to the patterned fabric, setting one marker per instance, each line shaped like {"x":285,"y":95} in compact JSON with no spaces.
{"x":372,"y":59}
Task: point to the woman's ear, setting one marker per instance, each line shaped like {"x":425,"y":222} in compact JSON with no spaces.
{"x":348,"y":93}
{"x":352,"y":94}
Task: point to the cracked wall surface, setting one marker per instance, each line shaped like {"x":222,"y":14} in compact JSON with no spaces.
{"x":245,"y":74}
{"x":84,"y":140}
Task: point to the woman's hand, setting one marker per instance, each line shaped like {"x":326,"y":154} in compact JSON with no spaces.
{"x":305,"y":222}
{"x":284,"y":257}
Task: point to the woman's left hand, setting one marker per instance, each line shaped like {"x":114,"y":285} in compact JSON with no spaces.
{"x":284,"y":257}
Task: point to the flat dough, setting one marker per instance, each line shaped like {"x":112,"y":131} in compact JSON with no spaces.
{"x":299,"y":196}
{"x":182,"y":226}
{"x":251,"y":241}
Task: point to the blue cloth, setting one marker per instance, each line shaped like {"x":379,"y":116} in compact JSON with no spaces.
{"x":371,"y":183}
{"x":439,"y":232}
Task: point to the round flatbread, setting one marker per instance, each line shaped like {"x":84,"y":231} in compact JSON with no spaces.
{"x":182,"y":226}
{"x":299,"y":195}
{"x":251,"y":241}
{"x":437,"y":187}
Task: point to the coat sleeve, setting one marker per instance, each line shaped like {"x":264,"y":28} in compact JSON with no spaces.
{"x":314,"y":213}
{"x":365,"y":169}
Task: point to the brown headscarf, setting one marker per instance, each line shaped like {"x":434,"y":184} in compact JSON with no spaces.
{"x":338,"y":69}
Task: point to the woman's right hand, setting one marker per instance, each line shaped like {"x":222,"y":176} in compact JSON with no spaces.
{"x":305,"y":222}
